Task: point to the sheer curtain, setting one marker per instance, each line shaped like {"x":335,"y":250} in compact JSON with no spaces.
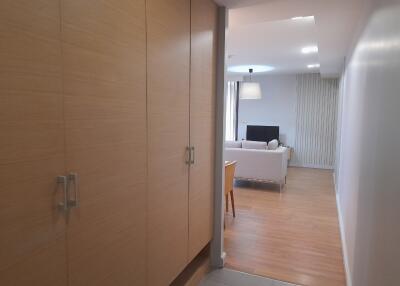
{"x":230,"y":113}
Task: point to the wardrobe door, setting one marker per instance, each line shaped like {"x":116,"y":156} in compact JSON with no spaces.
{"x":104,"y":52}
{"x":32,"y":228}
{"x":202,"y":123}
{"x":168,"y":34}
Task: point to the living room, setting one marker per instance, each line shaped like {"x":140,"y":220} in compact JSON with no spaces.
{"x":282,"y":99}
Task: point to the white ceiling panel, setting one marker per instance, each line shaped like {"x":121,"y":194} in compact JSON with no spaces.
{"x":277,"y":44}
{"x":262,"y":32}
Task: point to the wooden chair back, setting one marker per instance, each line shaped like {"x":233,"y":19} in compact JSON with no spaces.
{"x":229,"y":176}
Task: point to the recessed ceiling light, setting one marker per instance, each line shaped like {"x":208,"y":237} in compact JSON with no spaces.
{"x":313,"y":66}
{"x":303,"y":18}
{"x":245,"y":68}
{"x":309,"y":50}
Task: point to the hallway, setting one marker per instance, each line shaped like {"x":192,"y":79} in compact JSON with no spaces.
{"x":293,"y":236}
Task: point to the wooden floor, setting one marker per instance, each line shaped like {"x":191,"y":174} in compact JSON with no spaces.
{"x":293,"y":236}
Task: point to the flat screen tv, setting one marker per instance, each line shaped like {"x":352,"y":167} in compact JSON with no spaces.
{"x":262,"y":133}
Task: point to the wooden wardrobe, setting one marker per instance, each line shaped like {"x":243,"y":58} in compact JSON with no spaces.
{"x":107,"y":113}
{"x":181,"y":115}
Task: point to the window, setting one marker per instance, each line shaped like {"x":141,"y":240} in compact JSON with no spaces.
{"x":231,"y":111}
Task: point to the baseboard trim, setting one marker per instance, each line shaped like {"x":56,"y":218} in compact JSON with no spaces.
{"x":343,"y":238}
{"x":311,"y":166}
{"x":334,"y":184}
{"x":223,"y":259}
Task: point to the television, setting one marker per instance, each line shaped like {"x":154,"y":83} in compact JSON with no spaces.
{"x":262,"y":133}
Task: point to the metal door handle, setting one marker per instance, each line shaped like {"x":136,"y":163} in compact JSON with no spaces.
{"x":192,"y":155}
{"x":188,"y":156}
{"x":62,"y":180}
{"x":73,"y":180}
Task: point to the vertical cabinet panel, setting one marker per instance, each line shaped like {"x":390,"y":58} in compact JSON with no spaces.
{"x":32,"y":239}
{"x":168,"y":34}
{"x":202,"y":123}
{"x":104,"y":52}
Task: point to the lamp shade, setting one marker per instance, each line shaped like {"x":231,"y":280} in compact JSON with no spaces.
{"x":250,"y":90}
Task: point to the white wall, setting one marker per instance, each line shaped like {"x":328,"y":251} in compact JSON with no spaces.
{"x":368,"y":175}
{"x":342,"y":87}
{"x":276,"y":108}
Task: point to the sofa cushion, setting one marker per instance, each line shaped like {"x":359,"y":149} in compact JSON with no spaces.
{"x":254,"y":145}
{"x":233,"y":144}
{"x":273,"y":144}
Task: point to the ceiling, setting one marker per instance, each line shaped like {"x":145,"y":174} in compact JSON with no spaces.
{"x":262,"y":32}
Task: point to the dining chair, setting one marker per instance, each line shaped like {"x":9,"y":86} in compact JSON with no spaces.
{"x":229,"y":181}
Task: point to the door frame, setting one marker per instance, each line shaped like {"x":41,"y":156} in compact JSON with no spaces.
{"x":217,"y":244}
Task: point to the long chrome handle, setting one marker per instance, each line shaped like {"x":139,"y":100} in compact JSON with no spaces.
{"x":192,"y":155}
{"x":188,"y":156}
{"x":62,"y":180}
{"x":73,"y":179}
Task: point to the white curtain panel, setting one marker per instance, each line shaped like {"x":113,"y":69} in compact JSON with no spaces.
{"x":316,"y":121}
{"x":230,"y":113}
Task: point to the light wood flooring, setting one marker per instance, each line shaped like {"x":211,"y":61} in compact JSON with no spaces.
{"x":291,"y":236}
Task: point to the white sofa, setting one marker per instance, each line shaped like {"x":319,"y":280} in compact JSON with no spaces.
{"x":258,"y":164}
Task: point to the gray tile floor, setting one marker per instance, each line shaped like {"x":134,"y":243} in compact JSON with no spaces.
{"x":228,"y":277}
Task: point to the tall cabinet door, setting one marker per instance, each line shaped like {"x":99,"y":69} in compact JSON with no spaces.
{"x":32,"y":228}
{"x":104,"y":52}
{"x":168,"y":34}
{"x":202,"y":122}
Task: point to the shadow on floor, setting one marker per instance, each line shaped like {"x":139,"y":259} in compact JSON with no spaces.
{"x":228,"y":277}
{"x":262,"y":186}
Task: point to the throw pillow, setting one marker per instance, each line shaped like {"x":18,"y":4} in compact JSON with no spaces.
{"x":273,"y":144}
